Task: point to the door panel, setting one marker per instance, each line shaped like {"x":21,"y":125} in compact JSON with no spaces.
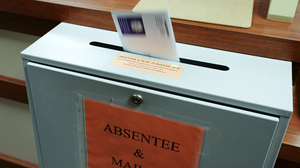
{"x":233,"y":137}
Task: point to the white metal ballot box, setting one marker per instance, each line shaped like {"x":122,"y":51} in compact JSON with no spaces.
{"x":94,"y":105}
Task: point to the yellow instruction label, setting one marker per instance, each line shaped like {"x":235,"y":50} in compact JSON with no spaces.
{"x":147,"y":65}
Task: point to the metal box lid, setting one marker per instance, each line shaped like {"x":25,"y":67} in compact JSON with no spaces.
{"x":254,"y":83}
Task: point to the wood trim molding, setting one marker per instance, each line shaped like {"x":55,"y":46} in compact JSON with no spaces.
{"x":12,"y":162}
{"x":290,"y":149}
{"x":26,"y":24}
{"x":290,"y":153}
{"x":13,"y":89}
{"x":296,"y":72}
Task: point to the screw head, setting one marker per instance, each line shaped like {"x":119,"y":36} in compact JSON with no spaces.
{"x":137,"y":99}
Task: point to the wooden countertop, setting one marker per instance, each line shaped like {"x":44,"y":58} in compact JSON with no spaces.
{"x":290,"y":149}
{"x":265,"y":38}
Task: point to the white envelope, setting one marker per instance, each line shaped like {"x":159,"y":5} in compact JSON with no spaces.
{"x":148,"y":33}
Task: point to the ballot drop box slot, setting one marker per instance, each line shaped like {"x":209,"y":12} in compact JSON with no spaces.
{"x":97,"y":106}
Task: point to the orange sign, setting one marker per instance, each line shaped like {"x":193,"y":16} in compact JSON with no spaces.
{"x":148,"y":65}
{"x":122,"y":137}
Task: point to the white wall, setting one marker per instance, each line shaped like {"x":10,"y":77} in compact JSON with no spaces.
{"x":16,"y":134}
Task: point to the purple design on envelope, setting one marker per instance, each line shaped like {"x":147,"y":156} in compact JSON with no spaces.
{"x":131,"y":25}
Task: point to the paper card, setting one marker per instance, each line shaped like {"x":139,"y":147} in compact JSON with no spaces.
{"x":147,"y":33}
{"x":148,"y":65}
{"x":122,"y":137}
